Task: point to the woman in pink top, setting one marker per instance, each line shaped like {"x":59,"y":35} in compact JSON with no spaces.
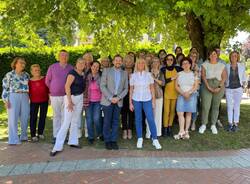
{"x":91,"y":102}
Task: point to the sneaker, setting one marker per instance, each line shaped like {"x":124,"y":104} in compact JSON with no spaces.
{"x":147,"y":136}
{"x":41,"y":137}
{"x":229,"y":128}
{"x":202,"y":129}
{"x":114,"y":146}
{"x":34,"y":139}
{"x":139,"y":143}
{"x":219,"y":123}
{"x":235,"y":128}
{"x":214,"y":129}
{"x":124,"y":134}
{"x":156,"y":144}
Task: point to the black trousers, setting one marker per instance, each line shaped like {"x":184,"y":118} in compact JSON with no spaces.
{"x":127,"y":115}
{"x":34,"y":108}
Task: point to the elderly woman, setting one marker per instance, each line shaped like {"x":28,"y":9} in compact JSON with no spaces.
{"x":142,"y":98}
{"x":170,"y":94}
{"x":16,"y":100}
{"x":213,"y":75}
{"x":236,"y":79}
{"x":186,"y":85}
{"x":73,"y":101}
{"x":39,"y":97}
{"x":91,"y":102}
{"x":159,"y":82}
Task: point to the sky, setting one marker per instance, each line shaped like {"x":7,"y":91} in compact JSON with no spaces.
{"x":241,"y":37}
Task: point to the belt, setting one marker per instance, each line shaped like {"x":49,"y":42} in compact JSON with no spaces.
{"x":21,"y":92}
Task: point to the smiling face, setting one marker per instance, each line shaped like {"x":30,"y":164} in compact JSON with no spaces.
{"x":80,"y":64}
{"x":36,"y":71}
{"x":170,"y":60}
{"x":156,"y":63}
{"x":63,"y":57}
{"x":117,"y":62}
{"x":234,"y":57}
{"x":213,"y":56}
{"x":186,"y":65}
{"x":95,"y":68}
{"x":20,"y":65}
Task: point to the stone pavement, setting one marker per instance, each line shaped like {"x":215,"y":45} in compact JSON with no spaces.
{"x":31,"y":163}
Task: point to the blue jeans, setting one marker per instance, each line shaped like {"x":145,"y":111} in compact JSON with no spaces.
{"x":93,"y":117}
{"x":111,"y":122}
{"x":148,"y":109}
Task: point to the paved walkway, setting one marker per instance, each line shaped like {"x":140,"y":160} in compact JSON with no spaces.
{"x":31,"y":163}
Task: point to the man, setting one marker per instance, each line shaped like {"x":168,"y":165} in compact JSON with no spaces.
{"x":114,"y":87}
{"x":55,"y":80}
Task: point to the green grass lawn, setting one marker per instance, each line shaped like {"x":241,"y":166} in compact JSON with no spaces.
{"x":208,"y":141}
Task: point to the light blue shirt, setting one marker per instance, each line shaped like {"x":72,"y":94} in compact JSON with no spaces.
{"x":117,"y":78}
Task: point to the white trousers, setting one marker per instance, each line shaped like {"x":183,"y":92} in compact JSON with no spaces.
{"x":57,"y":104}
{"x":157,"y":117}
{"x":233,"y":98}
{"x":71,"y":120}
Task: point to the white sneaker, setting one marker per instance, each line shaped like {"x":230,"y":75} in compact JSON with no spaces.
{"x":147,"y":136}
{"x":156,"y":144}
{"x":214,"y":129}
{"x":202,"y":129}
{"x":139,"y":143}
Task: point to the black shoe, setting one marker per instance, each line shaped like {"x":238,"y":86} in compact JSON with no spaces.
{"x":114,"y":145}
{"x":52,"y":154}
{"x":165,"y":132}
{"x":235,"y":128}
{"x":53,"y":140}
{"x":91,"y":141}
{"x":75,"y":146}
{"x":100,"y":138}
{"x":229,"y":128}
{"x":170,"y":133}
{"x":108,"y":146}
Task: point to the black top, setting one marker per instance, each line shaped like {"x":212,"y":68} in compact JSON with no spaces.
{"x":78,"y":85}
{"x":170,"y":68}
{"x":234,"y":81}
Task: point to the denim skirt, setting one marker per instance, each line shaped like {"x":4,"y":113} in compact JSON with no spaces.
{"x":189,"y":105}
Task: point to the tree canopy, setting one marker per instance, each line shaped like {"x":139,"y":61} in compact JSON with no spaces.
{"x":117,"y":25}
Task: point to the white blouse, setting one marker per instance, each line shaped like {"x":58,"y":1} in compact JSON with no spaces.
{"x":186,"y":80}
{"x":141,"y":83}
{"x":213,"y":70}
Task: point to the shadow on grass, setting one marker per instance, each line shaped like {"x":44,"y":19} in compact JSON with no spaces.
{"x":206,"y":142}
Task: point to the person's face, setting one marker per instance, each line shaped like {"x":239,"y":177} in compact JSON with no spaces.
{"x":162,"y":55}
{"x":170,"y":60}
{"x":186,"y":65}
{"x":63,"y":57}
{"x":141,"y":65}
{"x":218,"y":52}
{"x":213,"y":56}
{"x":117,"y":62}
{"x":105,"y":63}
{"x":20,"y":65}
{"x":234,"y":57}
{"x":129,"y":63}
{"x":95,"y":68}
{"x":36,"y":72}
{"x":80,"y":65}
{"x":178,"y":51}
{"x":148,"y":60}
{"x":156,"y":64}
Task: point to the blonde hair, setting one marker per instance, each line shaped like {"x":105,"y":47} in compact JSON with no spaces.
{"x":138,"y":60}
{"x":34,"y":66}
{"x":87,"y":56}
{"x":14,"y":62}
{"x":127,"y":58}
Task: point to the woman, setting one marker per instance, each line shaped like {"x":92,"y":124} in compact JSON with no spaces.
{"x":16,"y":100}
{"x":73,"y":101}
{"x":236,"y":79}
{"x":91,"y":102}
{"x":127,"y":115}
{"x":179,"y":57}
{"x":213,"y":75}
{"x":162,"y":55}
{"x":186,"y":85}
{"x":142,"y":97}
{"x":39,"y":97}
{"x":194,"y":56}
{"x":159,"y":82}
{"x":170,"y":93}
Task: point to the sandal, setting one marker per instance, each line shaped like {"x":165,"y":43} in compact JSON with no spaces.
{"x":186,"y":135}
{"x":179,"y":136}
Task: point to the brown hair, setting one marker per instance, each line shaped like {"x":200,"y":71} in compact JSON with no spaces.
{"x":238,"y":55}
{"x":14,"y":62}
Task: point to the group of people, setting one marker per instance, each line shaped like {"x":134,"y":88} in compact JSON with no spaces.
{"x":142,"y":88}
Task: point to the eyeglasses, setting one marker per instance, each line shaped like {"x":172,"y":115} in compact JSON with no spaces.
{"x":170,"y":59}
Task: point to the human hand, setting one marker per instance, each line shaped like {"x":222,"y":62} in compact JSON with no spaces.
{"x":7,"y":105}
{"x":131,"y":107}
{"x":70,"y":106}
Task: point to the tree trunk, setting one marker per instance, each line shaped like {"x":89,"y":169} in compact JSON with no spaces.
{"x":204,"y":39}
